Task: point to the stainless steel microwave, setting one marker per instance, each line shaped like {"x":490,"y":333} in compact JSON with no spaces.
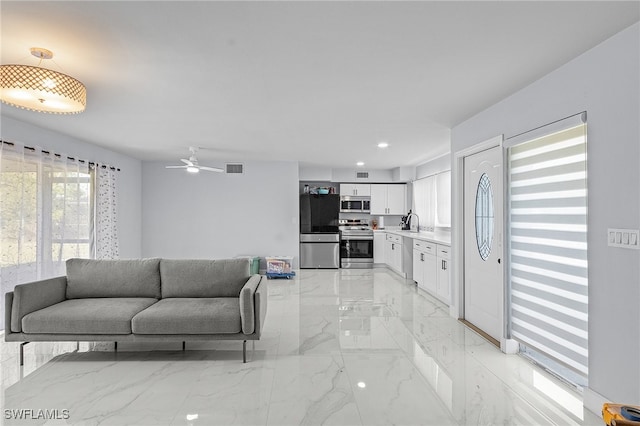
{"x":350,"y":204}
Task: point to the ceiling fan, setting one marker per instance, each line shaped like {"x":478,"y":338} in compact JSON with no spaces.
{"x":192,"y":165}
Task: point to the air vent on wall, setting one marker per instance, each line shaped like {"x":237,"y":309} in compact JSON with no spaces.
{"x":362,"y":175}
{"x":235,"y":168}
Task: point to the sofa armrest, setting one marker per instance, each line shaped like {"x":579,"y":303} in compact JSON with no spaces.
{"x":34,"y":296}
{"x":250,"y":301}
{"x":8,"y":302}
{"x":261,"y":305}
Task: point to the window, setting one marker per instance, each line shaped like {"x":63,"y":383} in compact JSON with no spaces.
{"x":424,"y":202}
{"x":432,"y":201}
{"x":548,"y":242}
{"x":443,"y":199}
{"x":484,"y":216}
{"x":44,"y":215}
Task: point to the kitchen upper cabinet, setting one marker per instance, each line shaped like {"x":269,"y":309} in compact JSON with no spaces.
{"x":388,"y":199}
{"x":379,"y":240}
{"x":356,"y":189}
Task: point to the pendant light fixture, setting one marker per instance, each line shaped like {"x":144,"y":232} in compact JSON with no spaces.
{"x":41,"y":89}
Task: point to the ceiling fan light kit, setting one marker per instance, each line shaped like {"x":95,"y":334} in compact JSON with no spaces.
{"x":192,"y":166}
{"x":40,"y":89}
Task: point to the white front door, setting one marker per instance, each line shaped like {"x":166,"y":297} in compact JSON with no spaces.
{"x":483,"y":224}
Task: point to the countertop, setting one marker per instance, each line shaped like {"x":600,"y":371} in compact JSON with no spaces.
{"x":432,"y":237}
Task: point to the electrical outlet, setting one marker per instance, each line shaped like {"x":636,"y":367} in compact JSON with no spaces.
{"x":624,"y":238}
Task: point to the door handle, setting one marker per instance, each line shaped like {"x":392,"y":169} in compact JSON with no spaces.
{"x":421,"y":257}
{"x":499,"y":261}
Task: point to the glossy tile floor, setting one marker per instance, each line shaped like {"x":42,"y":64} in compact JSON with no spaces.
{"x":339,"y":348}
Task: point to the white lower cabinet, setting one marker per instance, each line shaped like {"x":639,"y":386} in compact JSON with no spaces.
{"x":393,"y":253}
{"x":379,"y":247}
{"x":425,"y":265}
{"x":431,"y":269}
{"x":443,"y":282}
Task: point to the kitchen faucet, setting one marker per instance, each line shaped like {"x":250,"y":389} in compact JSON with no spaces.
{"x":417,"y":221}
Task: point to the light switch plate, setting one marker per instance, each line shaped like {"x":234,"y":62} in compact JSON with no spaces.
{"x":624,"y":238}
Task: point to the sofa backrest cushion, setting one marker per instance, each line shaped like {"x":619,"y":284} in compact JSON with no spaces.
{"x":113,"y":278}
{"x":203,"y":278}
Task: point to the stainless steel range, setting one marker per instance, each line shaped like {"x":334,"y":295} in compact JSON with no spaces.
{"x":356,"y":244}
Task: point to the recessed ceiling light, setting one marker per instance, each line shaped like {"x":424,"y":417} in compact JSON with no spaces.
{"x":360,"y":163}
{"x":383,"y":145}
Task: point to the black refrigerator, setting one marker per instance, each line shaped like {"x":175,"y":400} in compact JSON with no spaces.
{"x":319,"y":236}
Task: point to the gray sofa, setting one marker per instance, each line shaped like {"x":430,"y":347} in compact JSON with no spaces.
{"x":140,"y":300}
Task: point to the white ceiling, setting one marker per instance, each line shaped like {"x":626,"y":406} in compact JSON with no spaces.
{"x":317,"y":82}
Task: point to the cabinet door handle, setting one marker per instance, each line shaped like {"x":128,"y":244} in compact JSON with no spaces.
{"x":422,"y":257}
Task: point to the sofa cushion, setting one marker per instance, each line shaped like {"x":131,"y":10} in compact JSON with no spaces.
{"x":220,"y":315}
{"x":203,"y":278}
{"x":86,"y":316}
{"x":113,"y":278}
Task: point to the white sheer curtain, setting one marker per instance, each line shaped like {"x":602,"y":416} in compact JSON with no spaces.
{"x":104,"y":231}
{"x":44,"y":215}
{"x":443,"y":199}
{"x":424,"y":202}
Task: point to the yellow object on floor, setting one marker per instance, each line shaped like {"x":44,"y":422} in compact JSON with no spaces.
{"x":614,"y":414}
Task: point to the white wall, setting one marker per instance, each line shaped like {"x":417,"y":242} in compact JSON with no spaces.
{"x":435,"y":166}
{"x":129,"y":177}
{"x":605,"y":82}
{"x":315,"y":173}
{"x":346,"y":175}
{"x":215,"y":215}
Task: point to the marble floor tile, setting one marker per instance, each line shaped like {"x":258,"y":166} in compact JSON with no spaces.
{"x":310,"y":390}
{"x":229,"y":393}
{"x":389,"y":389}
{"x":340,"y":347}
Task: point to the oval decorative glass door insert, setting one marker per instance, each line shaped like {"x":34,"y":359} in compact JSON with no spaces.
{"x":484,"y":216}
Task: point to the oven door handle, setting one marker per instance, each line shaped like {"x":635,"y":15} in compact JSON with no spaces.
{"x":356,"y":238}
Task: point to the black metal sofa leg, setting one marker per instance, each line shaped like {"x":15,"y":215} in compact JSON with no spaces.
{"x":244,"y":351}
{"x":22,"y":345}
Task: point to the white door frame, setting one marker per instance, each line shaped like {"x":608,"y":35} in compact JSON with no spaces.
{"x":457,"y":292}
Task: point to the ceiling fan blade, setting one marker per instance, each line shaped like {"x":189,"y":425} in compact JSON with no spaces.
{"x":211,"y":169}
{"x":187,"y":162}
{"x":176,"y":167}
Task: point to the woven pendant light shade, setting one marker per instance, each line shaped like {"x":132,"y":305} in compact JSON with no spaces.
{"x":41,"y":89}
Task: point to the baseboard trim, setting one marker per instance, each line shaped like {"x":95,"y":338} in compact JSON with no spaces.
{"x":509,"y":346}
{"x":480,"y":332}
{"x":592,"y":401}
